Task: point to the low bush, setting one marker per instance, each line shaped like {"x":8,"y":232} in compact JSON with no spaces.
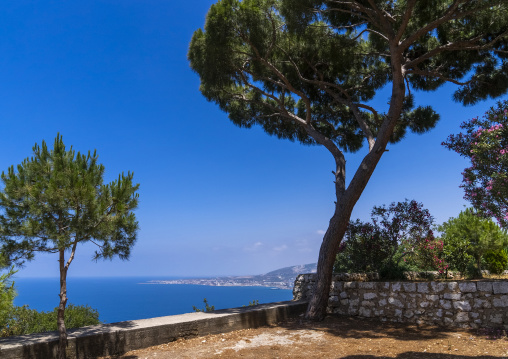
{"x":496,"y":261}
{"x":469,"y":239}
{"x":399,"y":238}
{"x":7,"y":294}
{"x":23,"y":320}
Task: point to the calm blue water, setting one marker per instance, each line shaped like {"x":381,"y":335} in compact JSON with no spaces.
{"x":119,"y":299}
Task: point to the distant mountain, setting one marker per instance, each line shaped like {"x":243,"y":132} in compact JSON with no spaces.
{"x":283,"y":278}
{"x":289,"y":273}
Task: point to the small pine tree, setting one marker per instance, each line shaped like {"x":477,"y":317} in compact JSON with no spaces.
{"x":57,"y":200}
{"x":208,"y":308}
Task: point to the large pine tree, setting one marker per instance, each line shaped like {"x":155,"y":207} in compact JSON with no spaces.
{"x":56,"y":200}
{"x":305,"y":70}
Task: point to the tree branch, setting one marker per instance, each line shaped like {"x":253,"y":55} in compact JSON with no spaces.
{"x":431,"y":26}
{"x":405,"y":19}
{"x":438,"y":75}
{"x":71,"y":257}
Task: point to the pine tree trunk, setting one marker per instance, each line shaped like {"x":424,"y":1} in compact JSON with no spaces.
{"x":62,"y":345}
{"x":347,"y":197}
{"x":331,"y":242}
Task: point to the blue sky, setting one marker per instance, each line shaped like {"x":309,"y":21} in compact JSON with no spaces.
{"x":214,"y":199}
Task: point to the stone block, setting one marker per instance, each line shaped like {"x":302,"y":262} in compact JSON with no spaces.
{"x":369,"y":296}
{"x":409,"y":287}
{"x":500,"y":302}
{"x":411,"y":304}
{"x":398,"y":312}
{"x":481,"y":303}
{"x":462,"y":305}
{"x":448,"y":321}
{"x":396,"y":286}
{"x":382,"y":302}
{"x":344,"y":302}
{"x":437,"y":287}
{"x":395,"y":302}
{"x":467,"y":287}
{"x":350,"y":285}
{"x":424,"y":304}
{"x":353,"y":311}
{"x":484,"y":287}
{"x":462,"y":317}
{"x":364,"y":312}
{"x":433,"y":297}
{"x":453,"y":286}
{"x":336,"y":287}
{"x":453,"y":296}
{"x":409,"y":314}
{"x":445,"y":304}
{"x":496,"y":318}
{"x":500,"y":287}
{"x":367,"y":285}
{"x":343,"y":295}
{"x":367,"y":303}
{"x":423,"y":287}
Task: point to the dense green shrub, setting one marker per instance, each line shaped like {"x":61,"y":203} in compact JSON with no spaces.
{"x":468,"y":238}
{"x":496,"y":261}
{"x":389,"y":242}
{"x":23,"y":320}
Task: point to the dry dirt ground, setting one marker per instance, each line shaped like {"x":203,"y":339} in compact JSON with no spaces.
{"x":336,"y":337}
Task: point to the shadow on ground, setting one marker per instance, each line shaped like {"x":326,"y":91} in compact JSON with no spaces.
{"x":360,"y":328}
{"x":417,"y":355}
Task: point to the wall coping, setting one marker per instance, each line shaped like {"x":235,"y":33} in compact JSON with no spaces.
{"x":118,"y":338}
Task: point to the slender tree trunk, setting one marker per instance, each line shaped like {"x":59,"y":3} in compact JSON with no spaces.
{"x":331,"y":242}
{"x":62,"y":345}
{"x":347,"y":197}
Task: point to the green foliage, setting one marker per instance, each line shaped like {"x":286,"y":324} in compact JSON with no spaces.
{"x":485,"y":144}
{"x":253,"y":303}
{"x":207,"y":308}
{"x":57,"y":199}
{"x":7,"y":294}
{"x":298,"y":66}
{"x":467,"y":238}
{"x":396,"y":233}
{"x":23,"y":320}
{"x":307,"y":70}
{"x":496,"y":261}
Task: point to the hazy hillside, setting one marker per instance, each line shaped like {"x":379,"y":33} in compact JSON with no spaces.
{"x":283,"y":278}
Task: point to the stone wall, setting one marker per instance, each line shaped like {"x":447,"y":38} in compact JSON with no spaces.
{"x":467,"y":304}
{"x":118,"y":338}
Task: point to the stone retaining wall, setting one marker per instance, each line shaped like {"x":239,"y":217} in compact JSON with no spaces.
{"x":467,"y":304}
{"x":118,"y":338}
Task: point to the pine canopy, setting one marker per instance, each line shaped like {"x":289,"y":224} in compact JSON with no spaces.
{"x":57,"y":199}
{"x":304,"y":69}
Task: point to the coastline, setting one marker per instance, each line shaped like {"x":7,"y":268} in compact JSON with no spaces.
{"x":227,"y":282}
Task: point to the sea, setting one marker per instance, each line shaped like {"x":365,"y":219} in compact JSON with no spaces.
{"x":129,"y":298}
